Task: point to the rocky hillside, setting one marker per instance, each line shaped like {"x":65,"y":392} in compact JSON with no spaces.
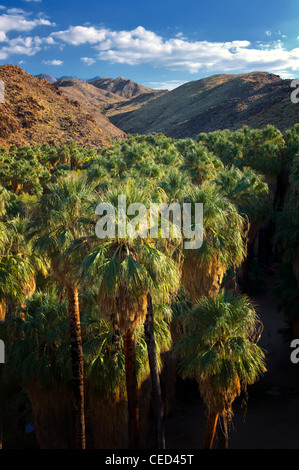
{"x":128,"y":105}
{"x":35,"y":112}
{"x":105,"y":97}
{"x":92,"y":100}
{"x":121,"y":86}
{"x":91,"y":112}
{"x":218,"y":102}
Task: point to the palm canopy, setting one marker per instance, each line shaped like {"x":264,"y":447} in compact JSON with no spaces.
{"x":291,"y":138}
{"x":103,"y":350}
{"x":174,"y":183}
{"x":127,"y":267}
{"x":62,"y":216}
{"x":247,"y":190}
{"x":260,"y":149}
{"x":38,"y":346}
{"x":199,"y":163}
{"x":222,"y":224}
{"x":218,"y":348}
{"x":18,"y":261}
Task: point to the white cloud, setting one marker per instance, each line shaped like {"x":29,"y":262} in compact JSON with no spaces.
{"x":286,"y":74}
{"x":141,"y":46}
{"x":16,"y":11}
{"x":88,"y":60}
{"x":17,"y":20}
{"x":28,"y":46}
{"x":55,"y":62}
{"x":77,"y":35}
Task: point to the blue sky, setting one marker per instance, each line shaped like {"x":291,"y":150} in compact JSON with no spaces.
{"x":160,"y":44}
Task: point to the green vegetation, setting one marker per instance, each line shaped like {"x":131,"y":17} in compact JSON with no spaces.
{"x":219,"y":350}
{"x":96,"y":322}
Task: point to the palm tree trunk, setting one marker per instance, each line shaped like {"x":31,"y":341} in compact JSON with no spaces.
{"x":155,"y":378}
{"x":132,"y":389}
{"x":77,"y":365}
{"x":210,"y":430}
{"x":222,"y":433}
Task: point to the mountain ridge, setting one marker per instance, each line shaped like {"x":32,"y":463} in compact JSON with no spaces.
{"x":121,"y":86}
{"x":214,"y":103}
{"x":91,"y":112}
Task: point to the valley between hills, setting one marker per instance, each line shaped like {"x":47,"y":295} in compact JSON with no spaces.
{"x":43,"y":109}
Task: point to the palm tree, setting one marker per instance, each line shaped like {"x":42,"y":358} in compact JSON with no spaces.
{"x":18,"y":262}
{"x":174,"y":183}
{"x":200,"y":164}
{"x":129,"y":270}
{"x":60,"y":221}
{"x":222,"y":247}
{"x":260,"y":149}
{"x":18,"y":265}
{"x":38,"y":356}
{"x":218,"y":349}
{"x":105,"y":371}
